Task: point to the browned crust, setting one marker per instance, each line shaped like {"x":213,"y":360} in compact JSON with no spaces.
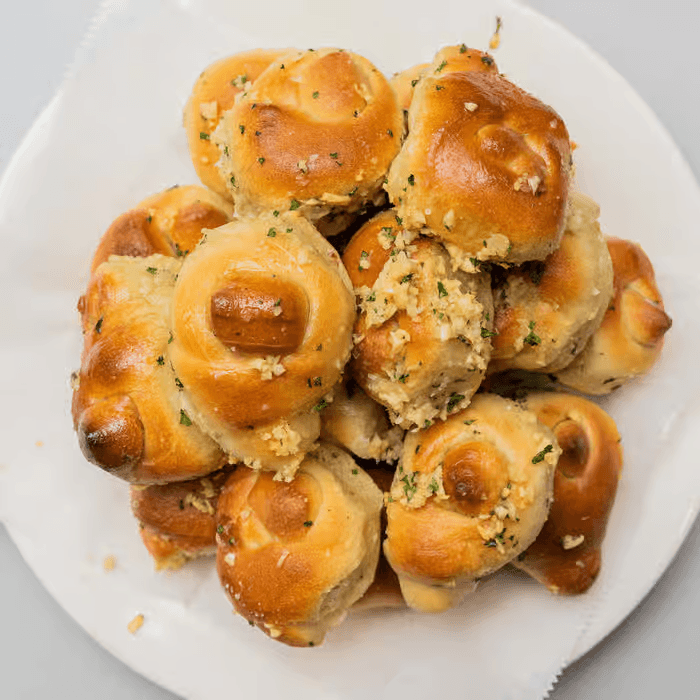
{"x":167,"y":223}
{"x":124,"y":396}
{"x":213,"y":93}
{"x":292,"y":555}
{"x":489,"y":152}
{"x":585,"y":484}
{"x":631,"y":336}
{"x":318,"y":134}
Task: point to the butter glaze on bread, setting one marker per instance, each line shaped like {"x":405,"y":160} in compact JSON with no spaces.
{"x":470,"y":494}
{"x":485,"y":165}
{"x":316,"y":132}
{"x":419,"y":345}
{"x":256,"y":343}
{"x":214,"y":93}
{"x":126,"y":403}
{"x":294,"y":556}
{"x":631,"y":335}
{"x":545,"y":311}
{"x":566,"y":556}
{"x":167,"y":223}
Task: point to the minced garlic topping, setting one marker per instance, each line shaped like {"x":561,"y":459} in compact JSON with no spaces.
{"x":135,"y":625}
{"x":208,"y":490}
{"x":201,"y":504}
{"x":497,"y":247}
{"x":413,"y":489}
{"x":284,"y":440}
{"x":209,"y":110}
{"x":269,"y":366}
{"x":572,"y":541}
{"x":393,"y":290}
{"x":398,"y":338}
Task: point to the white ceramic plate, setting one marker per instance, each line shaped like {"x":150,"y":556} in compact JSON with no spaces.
{"x":113,"y":135}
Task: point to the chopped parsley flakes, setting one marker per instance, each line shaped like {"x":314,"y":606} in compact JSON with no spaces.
{"x":454,"y":400}
{"x":532,"y":338}
{"x":539,"y":457}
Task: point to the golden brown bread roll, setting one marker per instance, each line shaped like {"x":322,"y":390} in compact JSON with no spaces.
{"x":167,"y":223}
{"x":470,"y":494}
{"x":126,"y":404}
{"x":316,"y":132}
{"x":178,"y":520}
{"x":566,"y":555}
{"x":547,"y":310}
{"x":631,"y":335}
{"x":213,"y":94}
{"x":262,"y":328}
{"x":421,"y":340}
{"x":485,"y":165}
{"x":294,"y":556}
{"x":359,"y":425}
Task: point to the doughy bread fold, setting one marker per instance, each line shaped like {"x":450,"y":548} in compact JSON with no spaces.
{"x":256,"y":343}
{"x":315,"y":132}
{"x":485,"y":165}
{"x":631,"y":335}
{"x":566,"y":556}
{"x":470,"y":494}
{"x":294,"y":556}
{"x":545,"y":311}
{"x":126,"y":396}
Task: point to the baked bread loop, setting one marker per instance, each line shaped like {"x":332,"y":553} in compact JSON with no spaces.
{"x":631,"y":335}
{"x":359,"y":425}
{"x":294,"y":556}
{"x":126,"y":404}
{"x":485,"y":165}
{"x":316,"y":132}
{"x":177,"y":521}
{"x":262,"y":325}
{"x":167,"y":223}
{"x":566,"y":556}
{"x":470,"y":494}
{"x":421,"y":337}
{"x":213,"y":94}
{"x":547,"y":310}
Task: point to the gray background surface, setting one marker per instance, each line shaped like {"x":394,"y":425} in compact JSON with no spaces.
{"x":43,"y":653}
